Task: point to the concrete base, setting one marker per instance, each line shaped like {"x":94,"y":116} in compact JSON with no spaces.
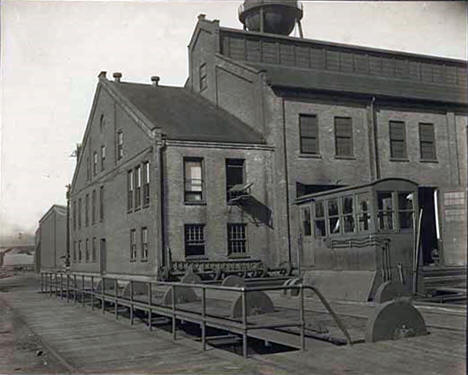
{"x":342,"y":285}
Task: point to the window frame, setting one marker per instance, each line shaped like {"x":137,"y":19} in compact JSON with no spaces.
{"x":133,"y":245}
{"x":138,"y":187}
{"x":242,"y":241}
{"x":103,"y":157}
{"x":94,"y":253}
{"x":87,"y":210}
{"x":394,"y":140}
{"x":101,"y":203}
{"x":191,"y":241}
{"x":146,"y":183}
{"x":120,"y":145}
{"x":186,"y":180}
{"x":144,"y":244}
{"x":339,"y":137}
{"x":202,"y":77}
{"x":431,"y":142}
{"x":130,"y":189}
{"x":303,"y":137}
{"x":93,"y":207}
{"x":95,"y":163}
{"x":242,"y":164}
{"x":306,"y":228}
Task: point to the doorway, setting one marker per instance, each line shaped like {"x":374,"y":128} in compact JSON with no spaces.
{"x":429,"y":239}
{"x":102,"y":256}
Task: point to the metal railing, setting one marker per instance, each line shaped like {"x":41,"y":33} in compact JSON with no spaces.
{"x":83,"y":289}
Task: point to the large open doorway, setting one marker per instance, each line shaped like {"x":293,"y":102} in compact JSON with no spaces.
{"x":429,"y":240}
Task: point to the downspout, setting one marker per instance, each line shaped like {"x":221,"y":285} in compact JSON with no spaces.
{"x":287,"y":182}
{"x":162,"y":150}
{"x":376,"y":145}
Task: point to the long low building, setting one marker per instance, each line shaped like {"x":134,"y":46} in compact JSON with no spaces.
{"x":51,"y":237}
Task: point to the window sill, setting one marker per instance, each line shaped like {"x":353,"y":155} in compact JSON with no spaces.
{"x":196,"y":257}
{"x":344,"y":157}
{"x":198,"y":203}
{"x":403,"y":160}
{"x":429,"y":161}
{"x":309,"y":156}
{"x":242,"y":256}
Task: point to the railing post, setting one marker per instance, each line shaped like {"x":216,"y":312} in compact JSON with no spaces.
{"x":92,"y":292}
{"x":203,"y":318}
{"x":244,"y":322}
{"x":173,"y":312}
{"x":116,"y":304}
{"x":150,"y":318}
{"x":301,"y":317}
{"x":131,"y":302}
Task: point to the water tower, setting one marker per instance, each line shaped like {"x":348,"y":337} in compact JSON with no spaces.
{"x":271,"y":16}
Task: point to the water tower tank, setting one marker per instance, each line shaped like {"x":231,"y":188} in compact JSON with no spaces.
{"x":270,"y":16}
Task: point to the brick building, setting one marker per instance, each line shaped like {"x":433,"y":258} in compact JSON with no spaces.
{"x":272,"y":117}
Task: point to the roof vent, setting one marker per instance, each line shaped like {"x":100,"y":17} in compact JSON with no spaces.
{"x":117,"y":76}
{"x":155,"y":80}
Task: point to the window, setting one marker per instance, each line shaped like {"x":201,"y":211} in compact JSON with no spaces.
{"x":102,"y":123}
{"x":194,"y":240}
{"x":405,"y":210}
{"x":363,"y":214}
{"x":94,"y":257}
{"x":137,"y":187}
{"x":348,"y":217}
{"x":306,"y":221}
{"x":133,"y":246}
{"x":74,"y":251}
{"x":333,"y":217}
{"x":87,"y":210}
{"x":88,"y":169}
{"x":397,"y":140}
{"x":193,"y":180}
{"x":101,"y":204}
{"x":343,"y":136}
{"x":146,"y":184}
{"x":236,"y":239}
{"x":103,"y":157}
{"x":234,"y":176}
{"x":427,"y":141}
{"x":319,"y":222}
{"x":95,"y":163}
{"x":385,"y":210}
{"x":87,"y":251}
{"x":144,"y":243}
{"x":93,"y":207}
{"x":74,"y":215}
{"x":79,"y":213}
{"x":120,"y":141}
{"x":79,"y":251}
{"x":130,"y":189}
{"x":203,"y":77}
{"x":308,"y":133}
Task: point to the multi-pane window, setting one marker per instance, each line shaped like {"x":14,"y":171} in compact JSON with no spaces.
{"x":319,"y":221}
{"x":306,"y":224}
{"x":120,"y":142}
{"x":405,"y":210}
{"x":397,"y":140}
{"x":93,"y":254}
{"x":133,"y":245}
{"x":343,"y":136}
{"x":79,"y":251}
{"x":74,"y":215}
{"x":427,"y":141}
{"x":79,"y":213}
{"x":144,"y":243}
{"x":193,"y":180}
{"x":103,"y":157}
{"x":138,"y":187}
{"x":333,"y":217}
{"x":347,"y":209}
{"x":101,"y":204}
{"x":237,"y":240}
{"x":146,"y":184}
{"x":87,"y":210}
{"x":385,"y":210}
{"x":308,"y":133}
{"x":130,"y":189}
{"x":93,"y":207}
{"x":194,"y":239}
{"x":203,"y":77}
{"x":95,"y":163}
{"x":363,"y":208}
{"x":235,"y":174}
{"x":87,"y":251}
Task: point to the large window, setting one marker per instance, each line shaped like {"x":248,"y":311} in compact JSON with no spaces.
{"x":427,"y":141}
{"x":308,"y":133}
{"x":237,"y":239}
{"x":319,"y":221}
{"x":137,"y":187}
{"x":103,"y":157}
{"x":397,"y":140}
{"x":306,"y":224}
{"x":363,"y":211}
{"x":93,"y":254}
{"x":130,"y":189}
{"x":79,"y":251}
{"x":333,"y":217}
{"x":193,"y":179}
{"x":101,"y":204}
{"x":144,"y":243}
{"x":87,"y":251}
{"x":87,"y":210}
{"x":93,"y":207}
{"x":133,"y":245}
{"x":79,"y":213}
{"x":343,"y":136}
{"x":347,"y":208}
{"x":120,"y":143}
{"x":235,"y":175}
{"x":194,"y":239}
{"x":405,"y":210}
{"x":385,"y":210}
{"x":146,"y":184}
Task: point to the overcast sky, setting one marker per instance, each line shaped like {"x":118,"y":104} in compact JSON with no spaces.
{"x":52,"y":52}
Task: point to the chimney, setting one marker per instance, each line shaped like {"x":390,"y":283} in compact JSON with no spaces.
{"x":102,"y":75}
{"x":155,"y":80}
{"x":201,"y":17}
{"x":117,"y":76}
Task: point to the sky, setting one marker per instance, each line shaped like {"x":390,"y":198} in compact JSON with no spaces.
{"x":52,"y":52}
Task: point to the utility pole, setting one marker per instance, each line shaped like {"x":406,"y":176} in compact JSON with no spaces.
{"x":67,"y":257}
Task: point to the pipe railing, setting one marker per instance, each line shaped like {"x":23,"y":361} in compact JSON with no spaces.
{"x":84,"y":286}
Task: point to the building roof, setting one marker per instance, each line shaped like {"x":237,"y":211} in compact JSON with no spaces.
{"x":182,"y":115}
{"x":59,"y":209}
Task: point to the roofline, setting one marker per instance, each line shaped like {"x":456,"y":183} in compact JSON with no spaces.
{"x":347,"y":46}
{"x":310,"y":197}
{"x":49,"y":211}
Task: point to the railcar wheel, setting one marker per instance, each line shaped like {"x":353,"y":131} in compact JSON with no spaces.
{"x":233,"y":280}
{"x":389,"y":290}
{"x":256,"y":303}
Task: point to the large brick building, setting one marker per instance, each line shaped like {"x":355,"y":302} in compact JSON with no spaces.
{"x":273,"y":116}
